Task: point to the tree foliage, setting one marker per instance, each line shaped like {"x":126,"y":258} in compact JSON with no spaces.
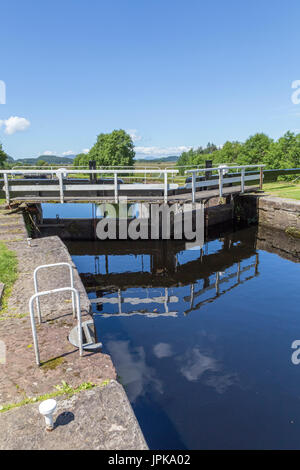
{"x":3,"y":156}
{"x":113,"y":149}
{"x":259,"y":148}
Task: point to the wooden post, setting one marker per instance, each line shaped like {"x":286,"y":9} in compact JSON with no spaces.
{"x":92,"y":166}
{"x":208,"y":164}
{"x":261,"y":178}
{"x":6,"y":188}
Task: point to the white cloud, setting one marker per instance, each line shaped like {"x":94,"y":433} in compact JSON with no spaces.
{"x":85,"y":150}
{"x":202,"y":367}
{"x":68,"y":152}
{"x":161,"y":151}
{"x":14,"y":124}
{"x":196,"y":364}
{"x":162,"y":350}
{"x":137,"y":377}
{"x":48,"y":153}
{"x":134,"y":135}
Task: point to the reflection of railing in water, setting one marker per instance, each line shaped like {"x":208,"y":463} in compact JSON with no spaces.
{"x":120,"y":299}
{"x":166,"y":299}
{"x":216,"y":285}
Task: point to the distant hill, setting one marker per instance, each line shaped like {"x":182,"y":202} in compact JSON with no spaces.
{"x":171,"y":158}
{"x":56,"y":160}
{"x":50,"y":159}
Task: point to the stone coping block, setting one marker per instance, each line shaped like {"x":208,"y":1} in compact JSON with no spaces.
{"x":100,"y":418}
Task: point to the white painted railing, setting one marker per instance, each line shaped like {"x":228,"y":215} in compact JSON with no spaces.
{"x":35,"y":282}
{"x":33,"y":327}
{"x":10,"y":185}
{"x":64,"y":185}
{"x":220,"y":181}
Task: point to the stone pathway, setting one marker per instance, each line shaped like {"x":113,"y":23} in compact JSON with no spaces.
{"x":20,"y":377}
{"x":99,"y":418}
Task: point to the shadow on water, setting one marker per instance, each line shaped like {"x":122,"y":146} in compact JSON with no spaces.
{"x":202,"y":338}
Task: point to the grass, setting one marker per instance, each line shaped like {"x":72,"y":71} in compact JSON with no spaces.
{"x":63,"y":389}
{"x":8,"y":271}
{"x":283,"y":189}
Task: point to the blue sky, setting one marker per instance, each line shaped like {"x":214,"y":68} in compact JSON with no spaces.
{"x":175,"y":73}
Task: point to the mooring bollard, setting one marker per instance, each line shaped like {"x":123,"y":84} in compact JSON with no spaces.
{"x":47,"y":408}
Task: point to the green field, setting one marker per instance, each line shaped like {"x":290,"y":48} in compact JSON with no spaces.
{"x":283,"y":189}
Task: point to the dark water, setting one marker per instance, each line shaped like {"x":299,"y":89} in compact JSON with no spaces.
{"x":202,"y":339}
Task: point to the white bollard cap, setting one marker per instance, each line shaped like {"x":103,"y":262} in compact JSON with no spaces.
{"x":47,"y":408}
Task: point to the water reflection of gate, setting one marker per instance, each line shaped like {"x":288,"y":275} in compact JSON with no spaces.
{"x":121,"y":299}
{"x":220,"y":279}
{"x":215,"y":285}
{"x":170,"y":279}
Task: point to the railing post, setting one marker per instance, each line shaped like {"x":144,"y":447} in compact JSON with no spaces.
{"x":61,"y":186}
{"x":32,"y":320}
{"x":35,"y":341}
{"x":6,"y":188}
{"x":242,"y":180}
{"x":116,"y":187}
{"x":165,"y":187}
{"x":35,"y":282}
{"x":261,"y":177}
{"x":193,"y":186}
{"x":220,"y":183}
{"x":78,"y":321}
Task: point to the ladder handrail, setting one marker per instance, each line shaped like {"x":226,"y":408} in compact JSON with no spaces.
{"x":32,"y":320}
{"x":35,"y":281}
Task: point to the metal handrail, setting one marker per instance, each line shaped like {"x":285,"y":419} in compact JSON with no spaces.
{"x":224,"y":167}
{"x":33,"y":327}
{"x":35,"y":281}
{"x":63,"y":172}
{"x":101,"y":170}
{"x":221,"y":170}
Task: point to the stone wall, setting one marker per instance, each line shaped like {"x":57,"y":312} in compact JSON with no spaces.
{"x":270,"y":211}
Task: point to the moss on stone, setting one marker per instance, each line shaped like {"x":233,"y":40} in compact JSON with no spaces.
{"x":52,"y":363}
{"x":293,"y":232}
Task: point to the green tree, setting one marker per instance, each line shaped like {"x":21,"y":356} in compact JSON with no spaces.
{"x":196,"y":157}
{"x":285,"y":153}
{"x":3,"y":156}
{"x":255,"y":150}
{"x":185,"y":159}
{"x":82,"y":159}
{"x":229,"y":153}
{"x":113,"y":149}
